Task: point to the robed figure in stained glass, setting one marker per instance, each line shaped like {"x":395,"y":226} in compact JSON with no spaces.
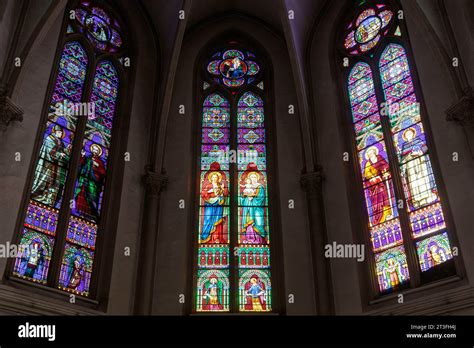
{"x":417,"y":174}
{"x":252,"y":192}
{"x":214,"y":192}
{"x":90,"y":181}
{"x":32,"y":260}
{"x":256,"y":295}
{"x":376,"y":170}
{"x":49,"y":175}
{"x":76,"y":272}
{"x":212,"y":295}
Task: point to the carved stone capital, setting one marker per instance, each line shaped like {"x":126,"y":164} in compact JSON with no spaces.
{"x":462,"y":111}
{"x":9,"y":112}
{"x":154,"y":182}
{"x":312,"y":183}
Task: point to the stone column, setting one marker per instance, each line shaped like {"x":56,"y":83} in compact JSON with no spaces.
{"x":9,"y":111}
{"x":462,"y":112}
{"x":154,"y":184}
{"x":312,"y":185}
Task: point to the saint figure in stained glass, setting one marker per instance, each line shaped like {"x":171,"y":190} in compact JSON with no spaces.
{"x":214,"y":192}
{"x":49,"y":174}
{"x":255,"y":292}
{"x":376,"y":171}
{"x":90,"y":182}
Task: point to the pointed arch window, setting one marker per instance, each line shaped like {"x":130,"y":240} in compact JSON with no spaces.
{"x":232,"y":272}
{"x":61,"y":224}
{"x":408,"y":235}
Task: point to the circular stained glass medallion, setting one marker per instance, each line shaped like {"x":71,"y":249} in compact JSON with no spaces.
{"x":98,"y":28}
{"x":368,"y":29}
{"x":233,"y":68}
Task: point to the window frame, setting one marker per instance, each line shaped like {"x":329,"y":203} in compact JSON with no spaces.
{"x":372,"y":298}
{"x":106,"y":227}
{"x":222,"y":42}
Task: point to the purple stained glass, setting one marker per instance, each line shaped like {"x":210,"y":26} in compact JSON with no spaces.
{"x":386,"y":235}
{"x":103,"y":107}
{"x":41,"y":218}
{"x":101,"y":29}
{"x":98,"y":135}
{"x":251,"y":135}
{"x":215,"y":135}
{"x":82,"y":232}
{"x":398,"y":91}
{"x":106,"y":82}
{"x":34,"y":256}
{"x":76,"y":269}
{"x":216,"y":115}
{"x":427,"y":220}
{"x":365,"y":108}
{"x":390,"y":53}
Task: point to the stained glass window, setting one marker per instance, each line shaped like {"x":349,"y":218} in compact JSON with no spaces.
{"x":52,"y":167}
{"x":225,"y":179}
{"x":392,"y":151}
{"x":65,"y":204}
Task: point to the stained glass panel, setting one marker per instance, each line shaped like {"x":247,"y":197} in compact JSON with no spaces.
{"x":419,"y":184}
{"x":98,"y":27}
{"x":427,"y":220}
{"x":433,"y":251}
{"x":41,"y":218}
{"x":365,"y":32}
{"x":233,"y":68}
{"x":253,"y":225}
{"x":391,"y":268}
{"x":386,"y":235}
{"x":255,"y":290}
{"x":215,"y":256}
{"x":251,"y":256}
{"x":78,"y":255}
{"x":212,"y":293}
{"x":51,"y":169}
{"x":34,"y":256}
{"x":380,"y":200}
{"x":76,"y":269}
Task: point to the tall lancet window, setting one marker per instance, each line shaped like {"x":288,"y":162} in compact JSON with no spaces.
{"x":409,"y":236}
{"x":232,"y":272}
{"x":61,"y":224}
